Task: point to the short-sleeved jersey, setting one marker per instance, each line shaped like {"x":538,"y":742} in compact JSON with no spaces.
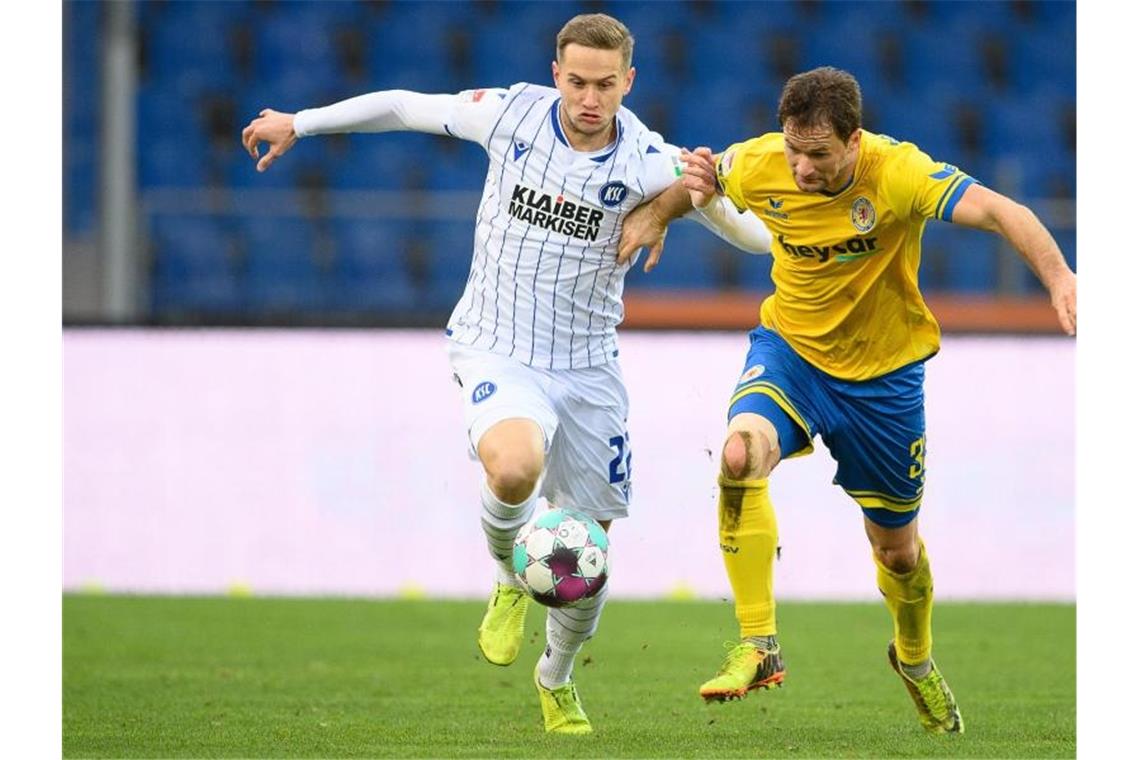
{"x":545,"y":287}
{"x":845,"y":265}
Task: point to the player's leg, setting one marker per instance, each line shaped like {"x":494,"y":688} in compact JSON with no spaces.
{"x":907,"y":585}
{"x":512,"y":453}
{"x":589,"y":471}
{"x":748,"y":542}
{"x":510,"y":425}
{"x":567,"y":630}
{"x":881,"y":458}
{"x":761,"y":431}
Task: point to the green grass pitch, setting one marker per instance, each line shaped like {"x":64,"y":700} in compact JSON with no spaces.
{"x":254,"y":677}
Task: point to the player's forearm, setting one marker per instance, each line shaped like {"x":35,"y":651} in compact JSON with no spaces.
{"x":670,"y":204}
{"x":385,"y":111}
{"x":745,"y":231}
{"x":1029,"y":237}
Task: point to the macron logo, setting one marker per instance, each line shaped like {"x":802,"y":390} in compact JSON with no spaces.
{"x":520,"y":148}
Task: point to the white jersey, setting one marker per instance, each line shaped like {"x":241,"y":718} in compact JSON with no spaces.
{"x":545,"y":287}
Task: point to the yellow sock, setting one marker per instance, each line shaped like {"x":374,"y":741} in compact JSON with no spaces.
{"x":910,"y":599}
{"x":748,"y":543}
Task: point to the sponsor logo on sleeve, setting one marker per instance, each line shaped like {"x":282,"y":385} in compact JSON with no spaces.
{"x":947,"y":170}
{"x":751,"y":373}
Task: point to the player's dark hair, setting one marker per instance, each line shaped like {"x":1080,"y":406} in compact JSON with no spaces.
{"x":598,"y":31}
{"x":823,"y":97}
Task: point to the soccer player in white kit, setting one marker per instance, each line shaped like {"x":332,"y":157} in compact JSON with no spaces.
{"x":533,"y":342}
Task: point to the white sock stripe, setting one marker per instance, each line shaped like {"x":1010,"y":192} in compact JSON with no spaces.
{"x":491,"y":522}
{"x":493,"y":506}
{"x":492,"y":531}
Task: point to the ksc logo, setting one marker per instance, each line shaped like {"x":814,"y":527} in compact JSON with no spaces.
{"x":483,"y":391}
{"x":612,"y":193}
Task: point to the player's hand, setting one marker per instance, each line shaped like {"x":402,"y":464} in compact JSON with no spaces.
{"x":699,"y":176}
{"x":1064,"y":297}
{"x":642,"y":228}
{"x":274,"y":128}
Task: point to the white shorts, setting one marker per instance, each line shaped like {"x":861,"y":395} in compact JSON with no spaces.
{"x":583,"y":414}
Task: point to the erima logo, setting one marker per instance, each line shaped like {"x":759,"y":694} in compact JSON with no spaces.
{"x":556,"y":213}
{"x":483,"y":391}
{"x":849,"y":249}
{"x":612,"y":193}
{"x":774,"y":211}
{"x":520,"y":148}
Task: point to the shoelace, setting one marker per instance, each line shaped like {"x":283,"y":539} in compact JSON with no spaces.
{"x":566,"y":697}
{"x":930,"y":688}
{"x":738,"y":651}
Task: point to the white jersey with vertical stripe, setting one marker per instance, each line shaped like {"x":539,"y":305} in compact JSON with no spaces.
{"x":545,"y":287}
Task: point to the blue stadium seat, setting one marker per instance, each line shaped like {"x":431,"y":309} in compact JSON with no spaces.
{"x":687,"y":261}
{"x":1045,"y":58}
{"x":450,"y":247}
{"x":282,"y":270}
{"x":969,"y":258}
{"x":194,"y":266}
{"x":371,"y":273}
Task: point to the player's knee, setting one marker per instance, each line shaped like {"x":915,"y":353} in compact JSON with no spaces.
{"x":900,"y":559}
{"x":745,"y":456}
{"x":512,"y":480}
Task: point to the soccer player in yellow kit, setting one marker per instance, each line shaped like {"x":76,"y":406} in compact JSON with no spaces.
{"x":840,"y":352}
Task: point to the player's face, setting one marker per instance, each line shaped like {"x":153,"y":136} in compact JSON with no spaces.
{"x":819,"y":160}
{"x":592,"y":83}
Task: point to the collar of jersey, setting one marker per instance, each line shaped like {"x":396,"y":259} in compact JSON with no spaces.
{"x":843,"y":189}
{"x":607,"y":151}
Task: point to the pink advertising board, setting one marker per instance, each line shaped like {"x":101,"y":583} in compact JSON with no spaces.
{"x":335,"y":462}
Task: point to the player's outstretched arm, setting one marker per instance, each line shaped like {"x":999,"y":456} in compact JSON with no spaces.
{"x":984,"y":209}
{"x":274,"y":128}
{"x":467,"y":115}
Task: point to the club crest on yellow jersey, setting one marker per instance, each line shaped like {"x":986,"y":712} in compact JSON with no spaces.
{"x":863,"y":215}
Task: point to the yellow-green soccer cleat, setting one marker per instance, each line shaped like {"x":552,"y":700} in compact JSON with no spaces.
{"x":561,"y":709}
{"x":746,"y":667}
{"x":937,"y":710}
{"x":501,"y":632}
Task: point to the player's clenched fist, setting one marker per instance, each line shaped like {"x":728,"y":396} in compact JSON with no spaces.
{"x":271,"y":127}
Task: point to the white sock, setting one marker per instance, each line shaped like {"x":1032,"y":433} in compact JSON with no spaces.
{"x":567,"y":630}
{"x":501,"y":522}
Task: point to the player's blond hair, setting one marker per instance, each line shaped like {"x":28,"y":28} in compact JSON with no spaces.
{"x":598,"y":31}
{"x":822,"y":97}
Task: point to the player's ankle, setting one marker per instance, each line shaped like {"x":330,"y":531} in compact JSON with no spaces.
{"x":767,"y":643}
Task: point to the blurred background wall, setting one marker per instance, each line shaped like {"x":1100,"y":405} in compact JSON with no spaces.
{"x":166,"y":222}
{"x":301,"y":461}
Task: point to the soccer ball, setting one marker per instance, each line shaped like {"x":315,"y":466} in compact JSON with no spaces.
{"x":560,"y":556}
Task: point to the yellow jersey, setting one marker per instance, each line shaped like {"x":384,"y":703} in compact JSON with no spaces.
{"x":846,"y":264}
